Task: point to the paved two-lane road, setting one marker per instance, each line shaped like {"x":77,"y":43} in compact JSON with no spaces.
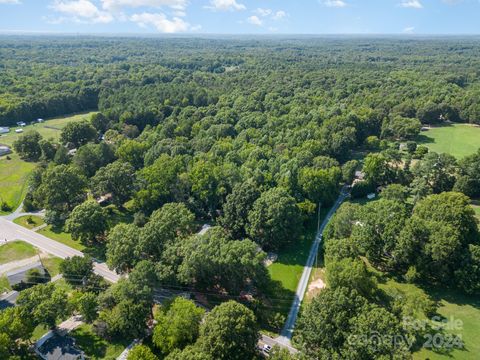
{"x":10,"y":231}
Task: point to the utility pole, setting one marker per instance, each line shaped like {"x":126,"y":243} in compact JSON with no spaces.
{"x":318,"y":229}
{"x":318,"y":216}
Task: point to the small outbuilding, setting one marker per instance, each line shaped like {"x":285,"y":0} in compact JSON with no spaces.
{"x":19,"y":131}
{"x":21,"y":123}
{"x":4,"y":130}
{"x":4,"y":150}
{"x":40,"y":120}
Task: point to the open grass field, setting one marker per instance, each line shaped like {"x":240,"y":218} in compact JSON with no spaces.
{"x":458,"y":140}
{"x":48,"y":129}
{"x":13,"y":180}
{"x":452,"y":306}
{"x":287,"y":270}
{"x":16,"y":250}
{"x":14,"y":171}
{"x":29,"y":222}
{"x":96,"y":347}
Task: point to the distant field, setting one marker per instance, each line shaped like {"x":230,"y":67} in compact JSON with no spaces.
{"x":14,"y":172}
{"x":48,"y":129}
{"x":458,"y":140}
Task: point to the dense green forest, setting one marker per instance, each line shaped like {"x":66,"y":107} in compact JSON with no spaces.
{"x":248,"y":135}
{"x":48,"y":77}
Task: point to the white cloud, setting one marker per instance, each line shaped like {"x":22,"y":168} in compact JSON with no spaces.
{"x":415,"y":4}
{"x":10,"y":2}
{"x":279,"y":15}
{"x":334,"y":3}
{"x":409,"y":30}
{"x":269,"y":13}
{"x":161,"y":22}
{"x":116,"y":5}
{"x":263,"y":12}
{"x":225,"y":5}
{"x":82,"y":11}
{"x":254,"y":20}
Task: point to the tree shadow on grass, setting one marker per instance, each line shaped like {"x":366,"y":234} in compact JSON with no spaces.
{"x":424,"y":139}
{"x":275,"y":306}
{"x":453,"y":296}
{"x":91,"y":344}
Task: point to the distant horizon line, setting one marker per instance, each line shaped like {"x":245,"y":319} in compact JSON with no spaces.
{"x":7,"y":32}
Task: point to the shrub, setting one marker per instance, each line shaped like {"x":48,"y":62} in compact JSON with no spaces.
{"x":362,"y":189}
{"x":4,"y":206}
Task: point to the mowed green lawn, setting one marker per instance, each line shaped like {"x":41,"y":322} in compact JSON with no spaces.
{"x":13,"y":180}
{"x":96,"y":347}
{"x":14,"y":171}
{"x":465,"y":312}
{"x":458,"y":140}
{"x":287,"y":270}
{"x":29,"y":222}
{"x":453,"y":308}
{"x":16,"y":250}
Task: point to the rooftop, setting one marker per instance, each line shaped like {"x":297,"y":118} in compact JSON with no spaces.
{"x":60,"y":348}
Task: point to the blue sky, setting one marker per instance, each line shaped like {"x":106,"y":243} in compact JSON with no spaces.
{"x":242,"y":16}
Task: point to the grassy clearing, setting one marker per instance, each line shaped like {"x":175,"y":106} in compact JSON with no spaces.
{"x":48,"y":129}
{"x":452,"y":306}
{"x":96,"y":347}
{"x":13,"y":179}
{"x":16,"y":250}
{"x":459,"y":140}
{"x":14,"y":171}
{"x":287,"y":270}
{"x":29,"y":222}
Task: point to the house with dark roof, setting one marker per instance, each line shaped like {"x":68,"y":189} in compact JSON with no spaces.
{"x":58,"y":347}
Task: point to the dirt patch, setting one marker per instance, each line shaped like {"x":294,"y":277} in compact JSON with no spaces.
{"x":316,"y":285}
